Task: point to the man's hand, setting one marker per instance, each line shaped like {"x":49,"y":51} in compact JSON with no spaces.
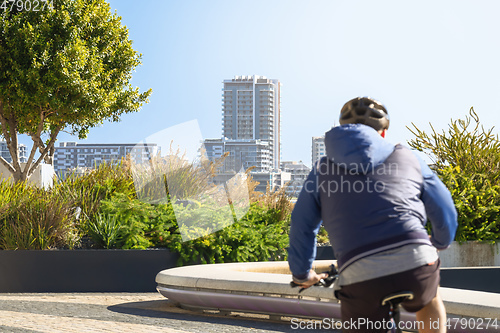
{"x":312,"y":279}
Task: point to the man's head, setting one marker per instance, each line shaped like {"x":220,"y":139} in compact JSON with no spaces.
{"x":367,"y":111}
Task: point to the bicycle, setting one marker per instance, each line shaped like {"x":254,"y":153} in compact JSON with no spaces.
{"x":394,"y":300}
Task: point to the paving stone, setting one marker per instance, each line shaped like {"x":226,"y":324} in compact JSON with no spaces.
{"x":121,"y":313}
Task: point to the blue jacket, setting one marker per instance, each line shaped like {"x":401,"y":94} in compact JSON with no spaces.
{"x":371,"y":196}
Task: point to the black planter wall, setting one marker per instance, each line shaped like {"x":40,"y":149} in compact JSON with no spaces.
{"x":82,"y":270}
{"x":135,"y":271}
{"x":325,"y":253}
{"x":472,"y":278}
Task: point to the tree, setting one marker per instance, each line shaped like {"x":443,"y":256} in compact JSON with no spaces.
{"x":63,"y":67}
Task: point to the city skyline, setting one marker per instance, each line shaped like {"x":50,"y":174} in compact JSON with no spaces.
{"x":323,"y":52}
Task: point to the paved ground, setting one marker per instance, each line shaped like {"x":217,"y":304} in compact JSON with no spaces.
{"x":123,"y":313}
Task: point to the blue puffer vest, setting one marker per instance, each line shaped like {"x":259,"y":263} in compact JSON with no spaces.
{"x":371,"y":196}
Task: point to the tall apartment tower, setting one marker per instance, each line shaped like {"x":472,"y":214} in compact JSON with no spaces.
{"x":318,"y":148}
{"x":251,"y":111}
{"x":5,"y":153}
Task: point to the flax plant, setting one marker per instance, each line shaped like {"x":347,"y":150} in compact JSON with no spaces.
{"x":36,"y":219}
{"x":105,"y":230}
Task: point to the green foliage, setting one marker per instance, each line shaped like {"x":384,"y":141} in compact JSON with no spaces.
{"x":112,"y":217}
{"x":101,"y":183}
{"x":322,"y":236}
{"x":141,"y":225}
{"x":9,"y":192}
{"x":35,"y":219}
{"x":63,"y":68}
{"x":162,"y":228}
{"x":478,"y":204}
{"x":133,"y":216}
{"x":104,"y":230}
{"x":467,"y":159}
{"x":474,"y":150}
{"x":261,"y":235}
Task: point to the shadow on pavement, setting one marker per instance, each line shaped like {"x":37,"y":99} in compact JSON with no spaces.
{"x":168,"y":310}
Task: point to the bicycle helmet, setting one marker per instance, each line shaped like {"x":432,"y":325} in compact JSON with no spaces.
{"x":365,"y":110}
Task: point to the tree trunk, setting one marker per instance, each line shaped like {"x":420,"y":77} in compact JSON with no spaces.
{"x":9,"y":132}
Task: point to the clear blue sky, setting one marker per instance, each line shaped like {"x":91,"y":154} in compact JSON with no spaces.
{"x":427,"y":61}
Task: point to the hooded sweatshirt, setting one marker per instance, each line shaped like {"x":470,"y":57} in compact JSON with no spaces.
{"x":371,"y":196}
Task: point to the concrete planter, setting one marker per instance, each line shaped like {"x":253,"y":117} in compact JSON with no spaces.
{"x":82,"y":270}
{"x":470,"y":254}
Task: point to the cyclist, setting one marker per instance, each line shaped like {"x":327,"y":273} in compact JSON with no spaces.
{"x":374,"y":199}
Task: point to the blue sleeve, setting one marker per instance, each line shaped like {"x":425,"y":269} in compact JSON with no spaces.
{"x":439,"y":207}
{"x":304,"y":226}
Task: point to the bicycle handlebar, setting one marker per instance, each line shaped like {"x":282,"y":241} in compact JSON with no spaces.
{"x":326,"y":282}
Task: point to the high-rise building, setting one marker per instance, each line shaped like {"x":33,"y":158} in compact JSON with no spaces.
{"x":298,"y":175}
{"x":318,"y":148}
{"x":243,"y":154}
{"x":251,"y":111}
{"x":5,"y":153}
{"x":250,"y":130}
{"x":72,"y":155}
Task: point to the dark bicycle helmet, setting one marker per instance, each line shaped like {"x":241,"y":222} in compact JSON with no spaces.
{"x":365,"y":110}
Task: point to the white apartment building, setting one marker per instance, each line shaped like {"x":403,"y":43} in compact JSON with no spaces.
{"x":72,"y":155}
{"x":250,"y":130}
{"x":318,"y":148}
{"x":251,"y":108}
{"x":5,"y":153}
{"x":298,"y":174}
{"x":243,"y":154}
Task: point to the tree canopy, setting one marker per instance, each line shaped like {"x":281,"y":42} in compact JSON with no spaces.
{"x":66,"y":67}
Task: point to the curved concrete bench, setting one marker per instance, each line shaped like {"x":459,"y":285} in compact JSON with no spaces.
{"x":263,"y":287}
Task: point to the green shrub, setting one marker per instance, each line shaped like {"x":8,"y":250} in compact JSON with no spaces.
{"x":132,"y":217}
{"x":36,"y":219}
{"x":478,"y":204}
{"x":104,"y":230}
{"x":474,"y":150}
{"x":112,"y":217}
{"x":139,"y":225}
{"x":162,"y":228}
{"x":89,"y":189}
{"x":322,"y":236}
{"x":467,"y":159}
{"x":261,"y":235}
